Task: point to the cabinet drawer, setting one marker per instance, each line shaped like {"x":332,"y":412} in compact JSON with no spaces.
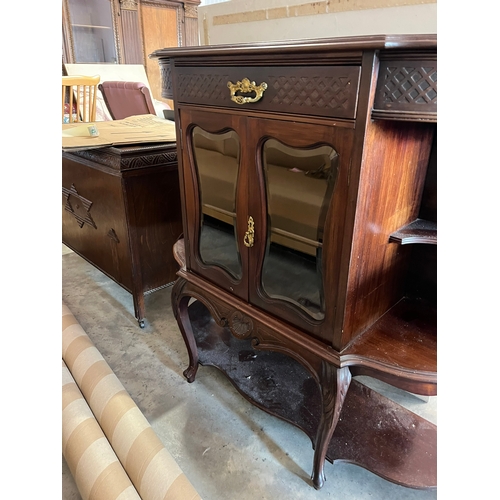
{"x":311,"y":90}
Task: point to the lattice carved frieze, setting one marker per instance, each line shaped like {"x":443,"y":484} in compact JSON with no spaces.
{"x":329,"y":95}
{"x":313,"y":92}
{"x":78,"y":206}
{"x":409,"y":85}
{"x":209,"y":88}
{"x":166,"y":80}
{"x":191,"y":11}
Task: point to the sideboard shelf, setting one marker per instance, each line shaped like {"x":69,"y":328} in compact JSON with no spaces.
{"x":402,"y":449}
{"x":418,"y":231}
{"x":404,"y":342}
{"x":90,"y":26}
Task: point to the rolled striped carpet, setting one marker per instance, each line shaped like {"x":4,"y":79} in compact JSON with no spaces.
{"x":151,"y":469}
{"x":95,"y":467}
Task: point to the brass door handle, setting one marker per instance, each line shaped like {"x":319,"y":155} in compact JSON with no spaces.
{"x":246,"y":86}
{"x":249,"y":235}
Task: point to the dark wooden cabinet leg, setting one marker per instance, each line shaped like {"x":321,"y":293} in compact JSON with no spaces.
{"x":180,"y":310}
{"x":139,"y":307}
{"x":334,"y":385}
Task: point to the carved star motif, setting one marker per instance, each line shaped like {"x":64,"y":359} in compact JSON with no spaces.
{"x":82,"y":216}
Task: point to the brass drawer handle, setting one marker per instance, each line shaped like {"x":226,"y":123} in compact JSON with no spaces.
{"x":246,"y":86}
{"x":248,"y":239}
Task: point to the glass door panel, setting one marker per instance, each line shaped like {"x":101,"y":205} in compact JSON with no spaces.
{"x":93,"y":34}
{"x":299,"y":184}
{"x":217,"y":162}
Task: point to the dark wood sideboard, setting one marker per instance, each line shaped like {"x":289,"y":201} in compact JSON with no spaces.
{"x":308,"y":186}
{"x":121,"y":212}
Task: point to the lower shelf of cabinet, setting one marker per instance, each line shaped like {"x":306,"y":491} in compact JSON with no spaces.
{"x":418,"y":231}
{"x":400,"y":348}
{"x":373,"y":431}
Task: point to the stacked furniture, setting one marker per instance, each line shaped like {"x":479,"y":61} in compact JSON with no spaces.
{"x":292,"y":307}
{"x":110,"y":447}
{"x":124,"y":32}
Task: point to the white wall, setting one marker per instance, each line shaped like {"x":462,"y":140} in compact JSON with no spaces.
{"x":237,"y":21}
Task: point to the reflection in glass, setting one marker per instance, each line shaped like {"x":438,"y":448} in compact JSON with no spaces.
{"x":92,"y":28}
{"x":299,"y":184}
{"x":217,"y":161}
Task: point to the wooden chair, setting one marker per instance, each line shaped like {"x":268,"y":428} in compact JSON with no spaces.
{"x":79,"y":98}
{"x":124,"y":99}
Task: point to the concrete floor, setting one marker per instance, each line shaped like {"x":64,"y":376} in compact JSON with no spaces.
{"x":228,"y":448}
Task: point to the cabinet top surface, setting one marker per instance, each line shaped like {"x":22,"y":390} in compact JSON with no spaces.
{"x":129,"y":157}
{"x":340,"y":44}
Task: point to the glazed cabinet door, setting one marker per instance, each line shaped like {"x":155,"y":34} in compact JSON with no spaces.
{"x":90,"y":29}
{"x":265,"y":205}
{"x":214,"y":186}
{"x":297,"y":200}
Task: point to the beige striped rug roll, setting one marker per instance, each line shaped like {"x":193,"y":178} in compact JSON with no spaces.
{"x":98,"y":473}
{"x":152,"y":470}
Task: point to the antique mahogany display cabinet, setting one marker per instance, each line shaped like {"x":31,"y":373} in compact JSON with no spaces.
{"x":308,"y":185}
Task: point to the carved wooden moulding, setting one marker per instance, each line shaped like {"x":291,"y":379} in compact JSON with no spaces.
{"x":318,"y":90}
{"x":131,"y":158}
{"x":128,"y":5}
{"x":166,"y":80}
{"x":406,"y":90}
{"x":78,"y":206}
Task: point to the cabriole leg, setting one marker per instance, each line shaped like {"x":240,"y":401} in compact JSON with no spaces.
{"x":180,"y":310}
{"x":334,"y":385}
